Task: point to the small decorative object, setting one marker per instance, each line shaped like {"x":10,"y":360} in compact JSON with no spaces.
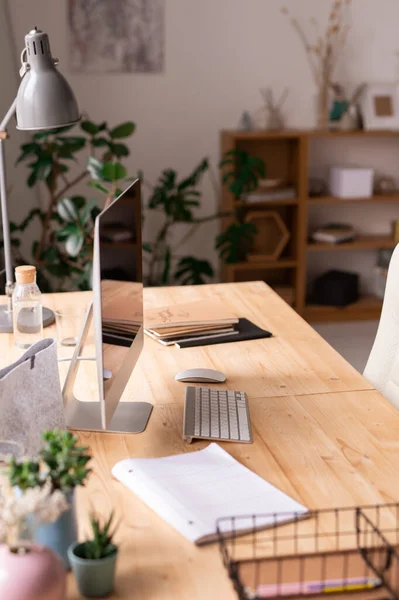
{"x":29,"y":571}
{"x":395,"y":231}
{"x":273,"y":109}
{"x":344,"y":114}
{"x":317,"y":187}
{"x":334,"y":233}
{"x":271,"y":237}
{"x":93,"y":562}
{"x":323,"y":52}
{"x":351,"y":182}
{"x":385,"y":185}
{"x":336,"y":288}
{"x":380,"y":106}
{"x":245,"y":123}
{"x":31,"y":398}
{"x":61,"y":465}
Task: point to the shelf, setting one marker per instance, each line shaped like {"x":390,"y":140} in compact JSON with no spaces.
{"x":266,"y":203}
{"x":366,"y":242}
{"x":368,"y":307}
{"x":310,"y":133}
{"x":253,"y":266}
{"x":333,"y":200}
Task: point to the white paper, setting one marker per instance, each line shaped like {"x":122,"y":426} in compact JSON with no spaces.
{"x":191,"y":491}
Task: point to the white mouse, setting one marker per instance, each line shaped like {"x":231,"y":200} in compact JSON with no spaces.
{"x":201,"y":376}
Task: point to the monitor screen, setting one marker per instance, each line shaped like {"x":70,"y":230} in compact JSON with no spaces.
{"x":121,"y":292}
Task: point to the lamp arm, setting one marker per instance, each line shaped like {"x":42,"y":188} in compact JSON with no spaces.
{"x":4,"y":209}
{"x":9,"y":114}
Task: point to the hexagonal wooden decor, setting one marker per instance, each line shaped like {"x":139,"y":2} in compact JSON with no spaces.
{"x":272,"y":235}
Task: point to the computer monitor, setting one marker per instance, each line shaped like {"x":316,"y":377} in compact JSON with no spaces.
{"x":117,"y":309}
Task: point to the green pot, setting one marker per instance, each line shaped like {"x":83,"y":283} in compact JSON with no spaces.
{"x":95,"y":578}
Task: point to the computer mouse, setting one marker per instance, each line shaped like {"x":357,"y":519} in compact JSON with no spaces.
{"x":201,"y":376}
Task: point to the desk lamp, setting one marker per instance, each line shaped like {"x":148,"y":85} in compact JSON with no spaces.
{"x":44,"y":101}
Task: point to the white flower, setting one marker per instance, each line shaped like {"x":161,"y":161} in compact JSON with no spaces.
{"x":40,"y":502}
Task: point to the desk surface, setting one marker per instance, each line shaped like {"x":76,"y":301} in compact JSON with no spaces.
{"x":321,"y":434}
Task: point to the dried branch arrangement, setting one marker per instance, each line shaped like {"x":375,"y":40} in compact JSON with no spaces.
{"x":324,"y":49}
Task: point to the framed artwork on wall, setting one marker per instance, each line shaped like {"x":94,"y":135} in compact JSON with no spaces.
{"x":116,"y":36}
{"x":380,"y":106}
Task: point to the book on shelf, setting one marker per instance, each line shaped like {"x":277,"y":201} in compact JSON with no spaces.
{"x":288,"y":193}
{"x":334,"y":233}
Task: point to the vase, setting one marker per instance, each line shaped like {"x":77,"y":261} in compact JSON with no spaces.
{"x":37,"y":574}
{"x":58,"y":536}
{"x":95,"y":578}
{"x":323,"y":107}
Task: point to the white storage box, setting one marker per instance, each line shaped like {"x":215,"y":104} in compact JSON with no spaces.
{"x":351,"y":182}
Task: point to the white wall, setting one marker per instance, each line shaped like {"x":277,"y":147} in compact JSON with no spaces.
{"x":20,"y":198}
{"x":218,"y":54}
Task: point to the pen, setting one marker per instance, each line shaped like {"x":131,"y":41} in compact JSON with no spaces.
{"x":318,"y":587}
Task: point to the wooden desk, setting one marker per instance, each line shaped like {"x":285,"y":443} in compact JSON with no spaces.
{"x":321,"y":433}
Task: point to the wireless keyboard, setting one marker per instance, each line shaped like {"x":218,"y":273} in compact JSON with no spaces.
{"x":221,"y":415}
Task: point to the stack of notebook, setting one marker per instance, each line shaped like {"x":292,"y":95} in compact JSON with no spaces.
{"x":172,"y":325}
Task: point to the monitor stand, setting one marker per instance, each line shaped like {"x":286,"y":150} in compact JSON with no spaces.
{"x":129,"y":417}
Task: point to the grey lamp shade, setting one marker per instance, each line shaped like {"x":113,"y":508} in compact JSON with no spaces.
{"x":45,"y":100}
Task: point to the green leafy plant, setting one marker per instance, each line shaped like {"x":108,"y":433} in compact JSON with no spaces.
{"x":241,"y":171}
{"x":63,"y":251}
{"x":61,"y":462}
{"x":235,"y":242}
{"x":101,"y":544}
{"x":178,"y":201}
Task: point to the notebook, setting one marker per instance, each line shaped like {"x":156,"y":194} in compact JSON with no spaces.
{"x":191,"y":491}
{"x":212,"y":311}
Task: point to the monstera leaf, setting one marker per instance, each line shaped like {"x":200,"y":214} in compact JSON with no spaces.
{"x":193,"y":271}
{"x":235,"y":243}
{"x":241,"y":171}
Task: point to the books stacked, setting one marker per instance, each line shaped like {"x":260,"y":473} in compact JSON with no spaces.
{"x":287,"y":193}
{"x":334,"y":233}
{"x":178,"y":323}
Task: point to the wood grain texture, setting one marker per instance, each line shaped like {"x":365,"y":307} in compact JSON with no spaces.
{"x":325,"y":450}
{"x":321,"y":434}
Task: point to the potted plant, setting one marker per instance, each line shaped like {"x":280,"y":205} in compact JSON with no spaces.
{"x":93,"y":562}
{"x":62,"y":466}
{"x":29,"y":571}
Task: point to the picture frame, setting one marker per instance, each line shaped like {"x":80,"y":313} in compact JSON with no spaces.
{"x":379,"y":106}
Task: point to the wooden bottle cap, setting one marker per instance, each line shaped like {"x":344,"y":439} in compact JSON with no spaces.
{"x":25,"y":274}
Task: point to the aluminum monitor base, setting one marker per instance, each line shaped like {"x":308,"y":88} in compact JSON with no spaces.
{"x":6,"y":318}
{"x":129,"y":417}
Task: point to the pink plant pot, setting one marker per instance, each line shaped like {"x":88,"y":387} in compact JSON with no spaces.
{"x":37,"y":575}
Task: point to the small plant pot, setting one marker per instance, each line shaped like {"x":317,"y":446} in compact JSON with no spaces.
{"x":61,"y":534}
{"x":95,"y":578}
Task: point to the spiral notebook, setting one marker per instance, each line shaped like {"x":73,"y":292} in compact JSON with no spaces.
{"x":191,"y":491}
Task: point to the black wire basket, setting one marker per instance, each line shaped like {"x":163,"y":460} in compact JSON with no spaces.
{"x":326,"y":552}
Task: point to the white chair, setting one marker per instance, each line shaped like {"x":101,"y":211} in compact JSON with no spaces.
{"x":382,"y":369}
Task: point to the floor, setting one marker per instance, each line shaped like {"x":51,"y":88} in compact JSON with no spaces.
{"x":353,"y":340}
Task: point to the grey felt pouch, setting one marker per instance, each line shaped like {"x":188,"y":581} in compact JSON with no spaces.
{"x":30,"y":396}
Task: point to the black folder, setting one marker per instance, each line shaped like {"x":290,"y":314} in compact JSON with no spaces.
{"x":246,"y":331}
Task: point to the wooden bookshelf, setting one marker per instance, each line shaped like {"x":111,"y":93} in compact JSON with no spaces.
{"x":286,"y":154}
{"x":372,"y":200}
{"x":363,"y":242}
